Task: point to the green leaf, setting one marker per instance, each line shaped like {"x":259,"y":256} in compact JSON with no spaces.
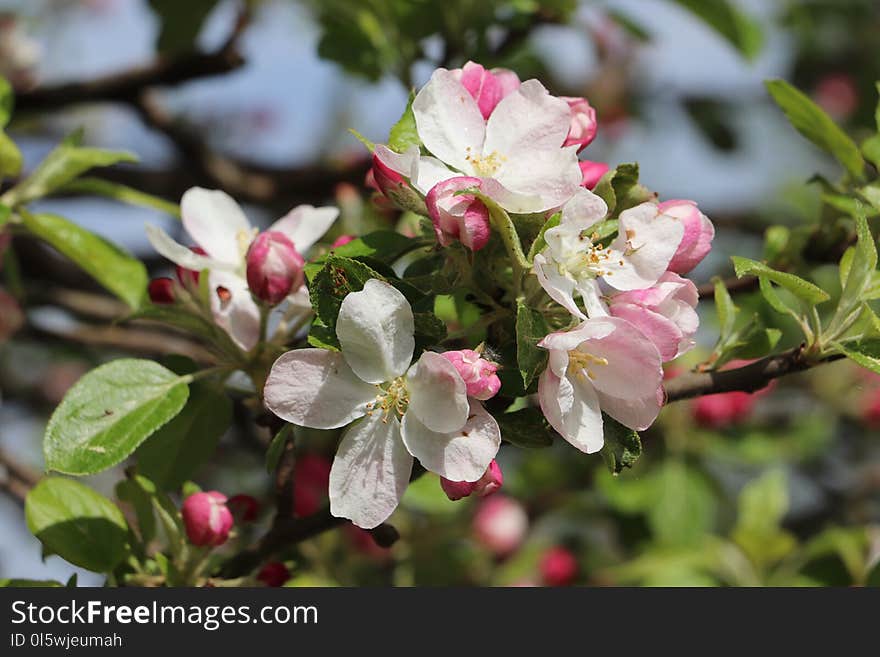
{"x":813,"y":123}
{"x":383,"y":245}
{"x":753,"y":341}
{"x":366,"y":142}
{"x":338,"y":277}
{"x":176,"y":451}
{"x":620,"y":189}
{"x":861,"y":266}
{"x":531,"y":327}
{"x":797,"y":286}
{"x":540,"y":242}
{"x":109,"y":265}
{"x":725,"y":308}
{"x":527,"y":428}
{"x":76,"y":523}
{"x":740,"y":30}
{"x":622,"y":448}
{"x":771,"y":296}
{"x":109,"y":412}
{"x":276,"y":447}
{"x":139,"y":492}
{"x":180,"y":23}
{"x":865,"y":353}
{"x":403,"y":133}
{"x":503,"y":224}
{"x":66,"y":162}
{"x":7,"y":101}
{"x":430,"y":328}
{"x":685,"y":508}
{"x":763,"y":504}
{"x":122,"y":193}
{"x":871,"y":149}
{"x":30,"y":583}
{"x":10,"y":157}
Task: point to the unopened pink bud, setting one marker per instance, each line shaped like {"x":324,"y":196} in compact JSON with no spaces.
{"x":489,"y":483}
{"x":488,"y":88}
{"x":583,"y":123}
{"x":592,"y":172}
{"x":311,"y":480}
{"x":274,"y":267}
{"x":500,"y":524}
{"x":189,"y":277}
{"x":698,"y":234}
{"x":245,"y":507}
{"x":342,"y":240}
{"x":206,"y":518}
{"x":558,"y":567}
{"x":478,"y":373}
{"x":723,"y":409}
{"x":161,"y":291}
{"x":459,"y":217}
{"x":273,"y":574}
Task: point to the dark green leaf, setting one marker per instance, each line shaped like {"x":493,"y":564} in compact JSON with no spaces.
{"x":622,"y":448}
{"x":429,"y":327}
{"x":139,"y":492}
{"x":527,"y":428}
{"x":531,"y":328}
{"x":180,"y":23}
{"x":109,"y":412}
{"x":383,"y":245}
{"x":276,"y":447}
{"x":741,"y":31}
{"x":76,"y":523}
{"x":338,"y":277}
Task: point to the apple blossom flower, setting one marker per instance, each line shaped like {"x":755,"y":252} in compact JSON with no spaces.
{"x":273,"y":574}
{"x":558,"y":567}
{"x":592,"y":172}
{"x":274,"y":267}
{"x":491,"y":482}
{"x":723,"y":409}
{"x":245,"y":506}
{"x":404,"y":411}
{"x":459,"y":217}
{"x":206,"y":518}
{"x":604,"y":364}
{"x":478,"y":373}
{"x":665,"y":313}
{"x":517,"y":152}
{"x":572,"y":263}
{"x":696,"y":241}
{"x":342,"y":240}
{"x":161,"y":290}
{"x":311,"y":478}
{"x":404,"y":178}
{"x":488,"y":88}
{"x":500,"y":525}
{"x":582,"y":130}
{"x":219,"y":226}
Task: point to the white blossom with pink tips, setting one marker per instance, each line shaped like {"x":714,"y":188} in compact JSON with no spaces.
{"x":573,"y":263}
{"x":698,"y":234}
{"x":396,"y":411}
{"x":604,"y":364}
{"x":219,"y":226}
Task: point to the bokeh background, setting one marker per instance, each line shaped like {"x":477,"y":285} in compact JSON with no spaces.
{"x":781,"y":487}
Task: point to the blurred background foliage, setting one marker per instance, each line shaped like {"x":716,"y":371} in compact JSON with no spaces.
{"x":777,"y":488}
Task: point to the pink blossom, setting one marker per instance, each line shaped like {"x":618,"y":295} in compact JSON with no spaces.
{"x":593,"y":172}
{"x":665,"y":313}
{"x":698,"y":234}
{"x":500,"y":525}
{"x":723,"y":409}
{"x":274,"y":267}
{"x":161,"y":291}
{"x":478,"y":373}
{"x":489,"y":483}
{"x":206,"y":518}
{"x":838,"y":95}
{"x":583,"y":123}
{"x":488,"y":88}
{"x":311,"y":480}
{"x":342,"y":240}
{"x":558,"y":567}
{"x":458,"y":217}
{"x":245,"y":506}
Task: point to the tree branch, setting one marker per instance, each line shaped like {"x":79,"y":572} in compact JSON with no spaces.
{"x":16,"y":479}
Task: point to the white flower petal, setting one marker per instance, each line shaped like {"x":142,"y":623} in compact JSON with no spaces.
{"x":584,"y":209}
{"x":560,"y":287}
{"x":305,"y":225}
{"x":316,"y":388}
{"x":637,"y":414}
{"x":431,"y":171}
{"x":179,"y":254}
{"x":573,"y":410}
{"x":461,"y":455}
{"x":448,"y":120}
{"x":437,"y":393}
{"x":376,"y":330}
{"x":370,"y":472}
{"x":214,"y":220}
{"x":645,"y":244}
{"x":234,"y":309}
{"x":527,"y":121}
{"x":553,"y":176}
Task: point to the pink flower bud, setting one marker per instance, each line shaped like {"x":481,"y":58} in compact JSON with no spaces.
{"x":488,"y":88}
{"x":478,"y":373}
{"x":558,"y":567}
{"x":161,"y":290}
{"x":838,"y":95}
{"x":723,"y":409}
{"x":583,"y":123}
{"x":273,"y":574}
{"x":189,"y":277}
{"x":491,"y":482}
{"x":11,"y":316}
{"x":593,"y":172}
{"x":311,"y":481}
{"x":698,"y":235}
{"x":245,"y":507}
{"x":342,"y":240}
{"x":458,"y":217}
{"x":392,"y":183}
{"x":500,"y":524}
{"x":274,"y":267}
{"x":206,"y":518}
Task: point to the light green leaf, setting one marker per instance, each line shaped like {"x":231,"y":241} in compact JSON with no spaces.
{"x":797,"y":286}
{"x":813,"y":123}
{"x":871,"y":149}
{"x":366,"y":142}
{"x":176,"y":451}
{"x":30,"y":583}
{"x":865,"y":353}
{"x":771,"y":296}
{"x":10,"y":157}
{"x":763,"y":504}
{"x":502,"y":223}
{"x":726,"y":309}
{"x":403,"y":133}
{"x":740,"y":30}
{"x":109,"y":412}
{"x":684,"y":509}
{"x":7,"y":101}
{"x":76,"y":523}
{"x":122,"y":193}
{"x":111,"y":266}
{"x":540,"y":242}
{"x":862,"y":264}
{"x":530,"y":329}
{"x":276,"y":447}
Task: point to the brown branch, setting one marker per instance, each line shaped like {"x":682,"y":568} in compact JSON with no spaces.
{"x":749,"y":378}
{"x":16,"y":479}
